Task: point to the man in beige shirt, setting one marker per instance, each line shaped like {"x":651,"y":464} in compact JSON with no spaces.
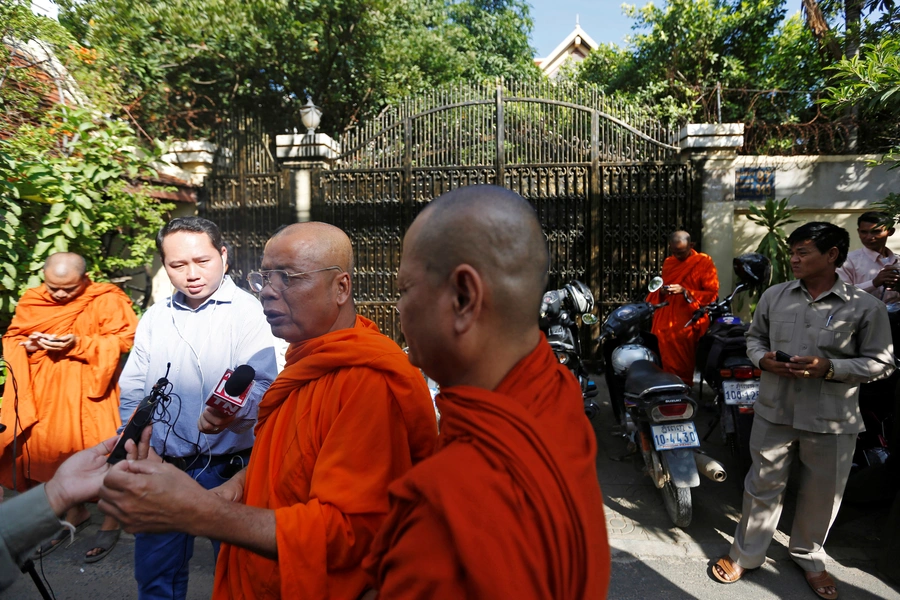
{"x":837,"y":337}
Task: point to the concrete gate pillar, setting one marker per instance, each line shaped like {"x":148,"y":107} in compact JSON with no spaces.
{"x":301,"y":154}
{"x":713,"y":148}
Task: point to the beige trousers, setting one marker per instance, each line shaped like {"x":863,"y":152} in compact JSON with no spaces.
{"x":825,"y":461}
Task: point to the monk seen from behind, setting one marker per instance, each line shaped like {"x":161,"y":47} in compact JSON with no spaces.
{"x":347,"y":416}
{"x":509,"y":506}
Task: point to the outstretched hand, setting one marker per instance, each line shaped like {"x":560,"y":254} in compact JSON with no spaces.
{"x":79,"y":478}
{"x":150,"y":496}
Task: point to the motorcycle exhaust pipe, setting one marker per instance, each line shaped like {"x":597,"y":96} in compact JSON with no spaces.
{"x":710,"y":467}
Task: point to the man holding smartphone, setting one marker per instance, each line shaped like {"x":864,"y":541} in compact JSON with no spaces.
{"x":816,"y":339}
{"x":873,"y":268}
{"x":63,"y":349}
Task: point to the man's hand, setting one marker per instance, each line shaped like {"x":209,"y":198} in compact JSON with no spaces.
{"x":57,"y":344}
{"x":808,"y":367}
{"x":768,"y":363}
{"x":674,"y":289}
{"x":888,"y":276}
{"x":79,"y":478}
{"x":147,"y":496}
{"x":213,"y":421}
{"x":31,"y":346}
{"x":233,"y":489}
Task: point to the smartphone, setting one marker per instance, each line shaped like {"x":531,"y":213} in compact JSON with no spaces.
{"x":782,"y":356}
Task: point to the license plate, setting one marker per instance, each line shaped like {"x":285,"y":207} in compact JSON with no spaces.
{"x":676,"y":435}
{"x":740,"y":392}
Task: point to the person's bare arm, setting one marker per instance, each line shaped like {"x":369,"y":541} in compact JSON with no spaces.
{"x":150,"y":496}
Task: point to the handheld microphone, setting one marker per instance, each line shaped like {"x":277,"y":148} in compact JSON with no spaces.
{"x":139,"y":419}
{"x":232,"y":390}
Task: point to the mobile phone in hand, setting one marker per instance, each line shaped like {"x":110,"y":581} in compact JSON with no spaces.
{"x":782,"y":356}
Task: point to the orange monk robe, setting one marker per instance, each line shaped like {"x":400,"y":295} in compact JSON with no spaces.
{"x":677,"y":345}
{"x":67,"y":401}
{"x":509,"y":506}
{"x":348,"y":415}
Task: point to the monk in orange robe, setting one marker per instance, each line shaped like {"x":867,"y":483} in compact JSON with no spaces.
{"x":691,"y":281}
{"x":509,"y":506}
{"x":348,"y":415}
{"x":63,"y":348}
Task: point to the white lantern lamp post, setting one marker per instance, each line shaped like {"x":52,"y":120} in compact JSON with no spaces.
{"x":311,"y":115}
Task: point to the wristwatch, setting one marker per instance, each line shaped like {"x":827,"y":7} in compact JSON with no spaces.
{"x":830,"y":374}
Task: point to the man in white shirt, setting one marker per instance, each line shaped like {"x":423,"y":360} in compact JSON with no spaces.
{"x":873,"y":268}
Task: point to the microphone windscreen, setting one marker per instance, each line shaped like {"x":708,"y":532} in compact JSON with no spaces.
{"x":240,"y":380}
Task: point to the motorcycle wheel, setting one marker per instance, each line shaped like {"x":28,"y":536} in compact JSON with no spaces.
{"x":591,"y":410}
{"x":678,"y":504}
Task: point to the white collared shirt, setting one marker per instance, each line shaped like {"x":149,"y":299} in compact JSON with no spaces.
{"x":862,"y":266}
{"x":227,"y":330}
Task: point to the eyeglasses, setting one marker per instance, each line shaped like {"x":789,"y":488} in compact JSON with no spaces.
{"x":279,"y":280}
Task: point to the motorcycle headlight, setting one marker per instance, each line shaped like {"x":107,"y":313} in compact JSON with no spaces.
{"x":562,"y":357}
{"x":624,"y":355}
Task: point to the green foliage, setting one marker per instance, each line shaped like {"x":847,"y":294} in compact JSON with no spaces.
{"x":185,"y":62}
{"x":83,"y":196}
{"x":27,"y":80}
{"x":891,"y":206}
{"x":751,"y":61}
{"x":871,"y":81}
{"x":774,"y":215}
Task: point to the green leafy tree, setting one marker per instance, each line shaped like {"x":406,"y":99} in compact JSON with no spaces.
{"x":70,"y":172}
{"x":185,"y":62}
{"x":83,"y":199}
{"x":871,"y":81}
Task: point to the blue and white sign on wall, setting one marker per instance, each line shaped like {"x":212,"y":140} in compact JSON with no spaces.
{"x":754,"y":183}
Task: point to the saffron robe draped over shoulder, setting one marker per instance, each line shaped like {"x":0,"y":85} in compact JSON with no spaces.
{"x":67,"y":401}
{"x":677,"y":345}
{"x":509,"y":506}
{"x":348,"y":415}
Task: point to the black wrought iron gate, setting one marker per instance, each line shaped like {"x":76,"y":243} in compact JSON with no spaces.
{"x":604,"y":178}
{"x":246,"y":194}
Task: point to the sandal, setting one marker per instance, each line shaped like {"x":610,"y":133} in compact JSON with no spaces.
{"x":822,"y":580}
{"x":57,"y":540}
{"x":730,"y":572}
{"x":106,"y":541}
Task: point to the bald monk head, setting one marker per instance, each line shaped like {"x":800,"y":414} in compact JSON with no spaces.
{"x":308,"y":290}
{"x":473,"y":272}
{"x":680,"y":244}
{"x":65,"y":276}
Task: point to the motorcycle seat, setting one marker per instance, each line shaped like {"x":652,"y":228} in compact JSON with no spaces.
{"x":644,"y":377}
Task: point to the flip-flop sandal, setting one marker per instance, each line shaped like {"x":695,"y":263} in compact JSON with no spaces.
{"x":106,"y":541}
{"x":821,"y":580}
{"x":731,"y":574}
{"x":57,"y":540}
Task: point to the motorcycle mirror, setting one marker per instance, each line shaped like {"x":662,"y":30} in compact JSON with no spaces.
{"x":589,"y":319}
{"x":655,"y":283}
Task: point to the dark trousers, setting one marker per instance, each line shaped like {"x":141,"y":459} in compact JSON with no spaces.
{"x":161,"y":559}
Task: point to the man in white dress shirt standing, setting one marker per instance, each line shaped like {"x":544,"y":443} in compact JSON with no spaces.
{"x":873,"y":268}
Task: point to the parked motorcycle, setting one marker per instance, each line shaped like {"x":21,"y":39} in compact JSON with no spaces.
{"x":723,"y":363}
{"x":656,"y":408}
{"x":561,"y":311}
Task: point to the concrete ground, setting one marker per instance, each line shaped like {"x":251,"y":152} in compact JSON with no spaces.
{"x":651,"y":558}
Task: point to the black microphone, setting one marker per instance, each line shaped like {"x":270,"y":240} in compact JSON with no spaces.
{"x":141,"y":417}
{"x":232,"y":390}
